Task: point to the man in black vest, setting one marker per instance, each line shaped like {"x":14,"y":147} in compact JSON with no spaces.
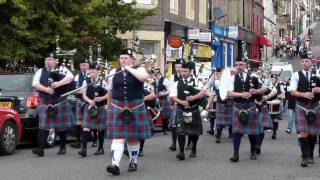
{"x":304,"y":86}
{"x":51,"y":82}
{"x":188,"y":120}
{"x":79,"y":79}
{"x":244,"y":90}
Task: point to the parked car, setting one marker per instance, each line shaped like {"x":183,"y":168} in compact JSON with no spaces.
{"x":10,"y":130}
{"x":16,"y":92}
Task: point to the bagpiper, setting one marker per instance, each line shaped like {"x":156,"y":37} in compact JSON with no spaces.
{"x":305,"y":87}
{"x":54,"y":111}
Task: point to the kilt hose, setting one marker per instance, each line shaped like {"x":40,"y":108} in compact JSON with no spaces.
{"x":224,"y":114}
{"x":172,"y":120}
{"x":166,"y":110}
{"x":63,"y":119}
{"x":265,"y":118}
{"x":138,"y":128}
{"x":79,"y":112}
{"x":301,"y":122}
{"x":254,"y":126}
{"x":193,"y":128}
{"x":94,"y":123}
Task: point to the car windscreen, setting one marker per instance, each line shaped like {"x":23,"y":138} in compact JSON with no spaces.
{"x":283,"y":73}
{"x":14,"y":83}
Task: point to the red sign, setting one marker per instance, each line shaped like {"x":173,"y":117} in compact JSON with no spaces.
{"x":174,"y":41}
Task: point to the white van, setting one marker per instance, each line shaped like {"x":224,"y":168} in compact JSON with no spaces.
{"x":287,"y":69}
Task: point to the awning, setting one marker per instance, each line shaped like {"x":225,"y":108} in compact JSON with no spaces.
{"x":264,"y":41}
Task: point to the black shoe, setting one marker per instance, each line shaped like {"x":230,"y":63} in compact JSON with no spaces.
{"x":38,"y":151}
{"x":173,"y":148}
{"x":258,"y":150}
{"x":253,"y":156}
{"x":211,"y":132}
{"x":140,"y":153}
{"x":274,"y":136}
{"x":181,"y":156}
{"x":94,"y":144}
{"x":218,"y":140}
{"x":188,"y":147}
{"x":62,"y":150}
{"x":310,"y":160}
{"x":132,"y":166}
{"x":83,"y":152}
{"x":75,"y":145}
{"x":114,"y":170}
{"x":193,"y":153}
{"x":288,"y":131}
{"x":99,"y":152}
{"x":234,"y":158}
{"x":304,"y":163}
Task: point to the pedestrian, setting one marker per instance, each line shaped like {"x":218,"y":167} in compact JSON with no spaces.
{"x":54,"y":111}
{"x":127,"y":118}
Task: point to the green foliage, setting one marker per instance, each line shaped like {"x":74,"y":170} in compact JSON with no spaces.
{"x":29,"y":27}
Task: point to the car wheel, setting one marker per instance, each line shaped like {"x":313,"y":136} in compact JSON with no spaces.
{"x":51,"y":139}
{"x":8,"y":138}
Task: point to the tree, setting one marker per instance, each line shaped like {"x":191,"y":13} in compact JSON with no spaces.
{"x":29,"y":27}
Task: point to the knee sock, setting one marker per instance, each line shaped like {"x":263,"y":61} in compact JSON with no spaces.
{"x":63,"y":138}
{"x":101,"y":139}
{"x":85,"y":136}
{"x":275,"y":127}
{"x":304,"y":145}
{"x":174,"y":135}
{"x":182,"y":142}
{"x":260,"y":138}
{"x":42,"y":134}
{"x":219,"y":131}
{"x":78,"y":132}
{"x":230,"y":131}
{"x":95,"y":135}
{"x":194,"y":139}
{"x":236,"y":143}
{"x":133,"y":152}
{"x":116,"y":153}
{"x":252,"y":139}
{"x":312,"y":142}
{"x":141,"y":144}
{"x":189,"y":140}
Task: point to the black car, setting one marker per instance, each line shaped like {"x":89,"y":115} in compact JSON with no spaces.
{"x":16,"y":92}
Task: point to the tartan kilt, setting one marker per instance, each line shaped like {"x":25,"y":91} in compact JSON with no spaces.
{"x":94,"y":123}
{"x":172,"y":120}
{"x":212,"y":116}
{"x":265,"y":118}
{"x":193,"y":128}
{"x":224,"y":114}
{"x":165,"y":107}
{"x":301,"y":122}
{"x":63,"y":119}
{"x":138,"y":128}
{"x":79,"y":112}
{"x":253,"y":127}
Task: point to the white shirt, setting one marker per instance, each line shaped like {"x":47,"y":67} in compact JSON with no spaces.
{"x":174,"y":88}
{"x":110,"y":79}
{"x":231,"y":84}
{"x":62,"y":70}
{"x":171,"y":80}
{"x":295,"y":79}
{"x":103,"y":84}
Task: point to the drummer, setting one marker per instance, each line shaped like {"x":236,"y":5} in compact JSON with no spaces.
{"x":212,"y":85}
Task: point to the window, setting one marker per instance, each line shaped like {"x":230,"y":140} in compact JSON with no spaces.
{"x":149,"y":2}
{"x":144,"y":4}
{"x":149,"y":47}
{"x":202,"y":12}
{"x":190,"y":9}
{"x":283,"y":7}
{"x":174,"y":6}
{"x":281,"y":32}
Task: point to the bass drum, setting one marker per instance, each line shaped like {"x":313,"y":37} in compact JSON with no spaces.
{"x":224,"y":83}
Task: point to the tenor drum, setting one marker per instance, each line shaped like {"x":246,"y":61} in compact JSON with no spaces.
{"x":274,"y":106}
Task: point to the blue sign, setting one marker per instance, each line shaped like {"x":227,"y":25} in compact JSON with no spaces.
{"x":218,"y":30}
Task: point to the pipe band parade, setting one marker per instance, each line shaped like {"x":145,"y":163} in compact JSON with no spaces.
{"x":126,"y":103}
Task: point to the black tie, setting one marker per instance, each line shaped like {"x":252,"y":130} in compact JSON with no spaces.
{"x":241,"y":76}
{"x":307,"y":75}
{"x":185,"y":81}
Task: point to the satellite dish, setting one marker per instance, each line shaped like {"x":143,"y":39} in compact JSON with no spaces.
{"x":217,"y":13}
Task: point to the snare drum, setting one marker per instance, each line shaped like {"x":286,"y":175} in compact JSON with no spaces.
{"x":274,"y":106}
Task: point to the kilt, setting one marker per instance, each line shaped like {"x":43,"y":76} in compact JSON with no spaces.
{"x":193,"y":128}
{"x":172,"y":120}
{"x":165,"y":106}
{"x":212,"y":117}
{"x":79,"y":112}
{"x":265,"y":118}
{"x":138,"y":128}
{"x":301,"y":122}
{"x":253,"y":127}
{"x":224,"y":114}
{"x":94,"y":123}
{"x":63,"y":119}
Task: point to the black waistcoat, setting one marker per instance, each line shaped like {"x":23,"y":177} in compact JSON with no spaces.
{"x":305,"y":86}
{"x":95,"y":91}
{"x":240,"y":86}
{"x":182,"y":87}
